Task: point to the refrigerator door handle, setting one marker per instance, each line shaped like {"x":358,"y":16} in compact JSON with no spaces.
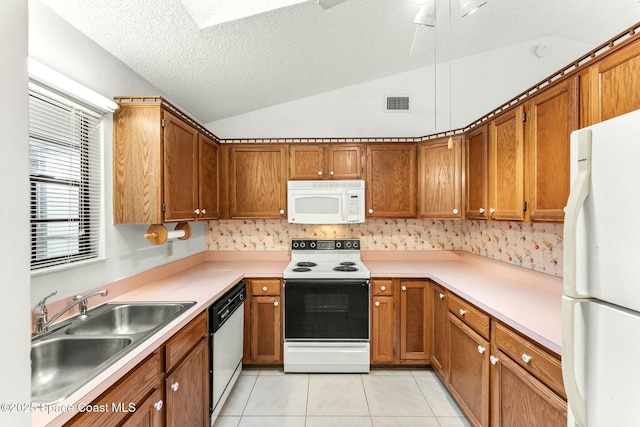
{"x":575,"y":399}
{"x":577,"y":196}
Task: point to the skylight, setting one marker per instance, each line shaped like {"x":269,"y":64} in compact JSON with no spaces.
{"x":207,"y":13}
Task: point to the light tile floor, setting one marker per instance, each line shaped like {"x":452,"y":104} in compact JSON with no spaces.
{"x":269,"y":397}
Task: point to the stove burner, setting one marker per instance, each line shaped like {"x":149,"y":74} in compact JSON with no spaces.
{"x":345,"y":268}
{"x":347,"y":263}
{"x":306,"y":264}
{"x":301,"y":269}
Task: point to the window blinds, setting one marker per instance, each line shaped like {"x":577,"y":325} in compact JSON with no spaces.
{"x":65,"y":171}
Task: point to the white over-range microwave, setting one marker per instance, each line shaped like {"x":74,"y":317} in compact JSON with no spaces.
{"x":325,"y":202}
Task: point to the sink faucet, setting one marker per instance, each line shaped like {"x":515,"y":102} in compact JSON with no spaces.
{"x":42,"y":323}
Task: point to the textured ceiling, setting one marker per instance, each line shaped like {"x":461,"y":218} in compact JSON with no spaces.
{"x":301,"y":50}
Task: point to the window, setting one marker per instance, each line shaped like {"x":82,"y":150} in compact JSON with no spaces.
{"x":65,"y":171}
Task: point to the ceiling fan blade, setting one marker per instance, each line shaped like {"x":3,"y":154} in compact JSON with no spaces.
{"x":326,"y":4}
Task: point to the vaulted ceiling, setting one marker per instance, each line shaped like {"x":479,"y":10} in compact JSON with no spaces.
{"x":218,"y":70}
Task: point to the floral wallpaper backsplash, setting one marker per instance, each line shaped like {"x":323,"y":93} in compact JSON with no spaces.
{"x":533,"y":246}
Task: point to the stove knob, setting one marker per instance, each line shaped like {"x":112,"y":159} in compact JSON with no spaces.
{"x":356,"y":244}
{"x":302,"y":245}
{"x":312,"y":245}
{"x":348,"y":245}
{"x":296,"y":244}
{"x":338,"y":245}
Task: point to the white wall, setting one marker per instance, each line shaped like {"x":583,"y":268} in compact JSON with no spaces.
{"x":60,"y":46}
{"x":14,"y":252}
{"x":481,"y":83}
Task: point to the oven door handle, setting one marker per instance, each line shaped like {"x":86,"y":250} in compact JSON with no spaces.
{"x":329,"y":282}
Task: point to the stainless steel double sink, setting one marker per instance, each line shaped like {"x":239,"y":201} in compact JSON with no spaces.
{"x":70,"y":355}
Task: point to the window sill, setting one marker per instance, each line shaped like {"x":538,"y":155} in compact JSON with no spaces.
{"x":70,"y":266}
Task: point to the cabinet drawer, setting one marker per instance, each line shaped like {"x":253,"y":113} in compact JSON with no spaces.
{"x":470,"y":315}
{"x":179,"y":345}
{"x":265,"y":287}
{"x":382,"y":287}
{"x":531,"y":357}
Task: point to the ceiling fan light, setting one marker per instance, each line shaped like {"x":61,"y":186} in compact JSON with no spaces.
{"x":467,"y":7}
{"x":426,"y":16}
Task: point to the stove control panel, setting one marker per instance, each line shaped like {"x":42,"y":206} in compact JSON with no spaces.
{"x":327,"y":245}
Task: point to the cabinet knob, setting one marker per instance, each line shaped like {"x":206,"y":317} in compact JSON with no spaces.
{"x":455,"y":211}
{"x":481,"y":210}
{"x":493,"y":359}
{"x":441,"y":296}
{"x":462,"y":312}
{"x":331,"y":173}
{"x":281,"y":211}
{"x":175,"y":386}
{"x":204,"y":211}
{"x":158,"y":405}
{"x":319,"y":173}
{"x":481,"y":349}
{"x":383,"y":288}
{"x":370,"y":211}
{"x":377,"y":303}
{"x":275,"y":303}
{"x":197,"y":211}
{"x":526,"y":358}
{"x":492,"y":211}
{"x":264,"y":289}
{"x":404,"y":288}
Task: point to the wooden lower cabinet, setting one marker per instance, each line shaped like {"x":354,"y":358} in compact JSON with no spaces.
{"x":149,"y":414}
{"x":469,"y":371}
{"x":519,"y":399}
{"x":263,"y":322}
{"x":440,"y":332}
{"x":383,"y":329}
{"x":415,"y":320}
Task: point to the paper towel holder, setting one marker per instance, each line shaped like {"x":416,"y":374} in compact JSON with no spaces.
{"x":157,"y":234}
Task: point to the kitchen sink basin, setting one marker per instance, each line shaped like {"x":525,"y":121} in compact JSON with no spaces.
{"x":59,"y":366}
{"x":70,"y":355}
{"x":128,"y":319}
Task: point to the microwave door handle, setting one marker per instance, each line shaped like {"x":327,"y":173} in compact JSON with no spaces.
{"x":344,"y":206}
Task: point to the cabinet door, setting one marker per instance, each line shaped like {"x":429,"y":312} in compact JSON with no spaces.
{"x":148,"y":414}
{"x":266,"y":329}
{"x":306,"y":162}
{"x":469,"y":371}
{"x":506,"y":166}
{"x":613,"y":83}
{"x":208,"y":195}
{"x":440,"y":179}
{"x":415,"y":320}
{"x":344,"y":161}
{"x":552,"y":116}
{"x":187,"y":390}
{"x":180,"y":176}
{"x":391,"y":180}
{"x":258,"y":181}
{"x":477,"y":176}
{"x":518,"y":399}
{"x":439,"y":341}
{"x":383,"y":329}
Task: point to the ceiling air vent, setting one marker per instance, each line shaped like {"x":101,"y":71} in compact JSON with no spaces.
{"x":396,"y":104}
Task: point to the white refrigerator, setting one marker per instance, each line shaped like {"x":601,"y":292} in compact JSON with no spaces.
{"x":601,"y":302}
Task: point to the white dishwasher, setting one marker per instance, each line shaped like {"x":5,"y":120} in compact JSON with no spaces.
{"x":226,"y":330}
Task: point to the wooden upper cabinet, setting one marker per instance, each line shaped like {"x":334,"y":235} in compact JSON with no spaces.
{"x":333,"y":161}
{"x":258,"y":181}
{"x":440,"y":179}
{"x":477,"y":176}
{"x":613,"y":85}
{"x":391,"y":180}
{"x":161,"y":170}
{"x":551,"y":117}
{"x":506,"y":166}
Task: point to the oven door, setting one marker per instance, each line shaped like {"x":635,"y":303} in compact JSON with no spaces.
{"x":326,"y":310}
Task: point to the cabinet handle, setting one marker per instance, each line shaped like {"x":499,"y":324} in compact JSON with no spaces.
{"x":175,"y":386}
{"x":383,"y":288}
{"x":441,"y":296}
{"x":319,"y":173}
{"x":370,"y":211}
{"x":331,"y":173}
{"x":481,"y":349}
{"x":275,"y":303}
{"x":493,"y":359}
{"x":526,"y":358}
{"x":281,"y":211}
{"x":481,"y":210}
{"x":404,"y":288}
{"x":377,"y":303}
{"x":455,"y":211}
{"x":204,"y":211}
{"x":158,"y":405}
{"x":462,"y":312}
{"x":197,"y":211}
{"x":264,"y":289}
